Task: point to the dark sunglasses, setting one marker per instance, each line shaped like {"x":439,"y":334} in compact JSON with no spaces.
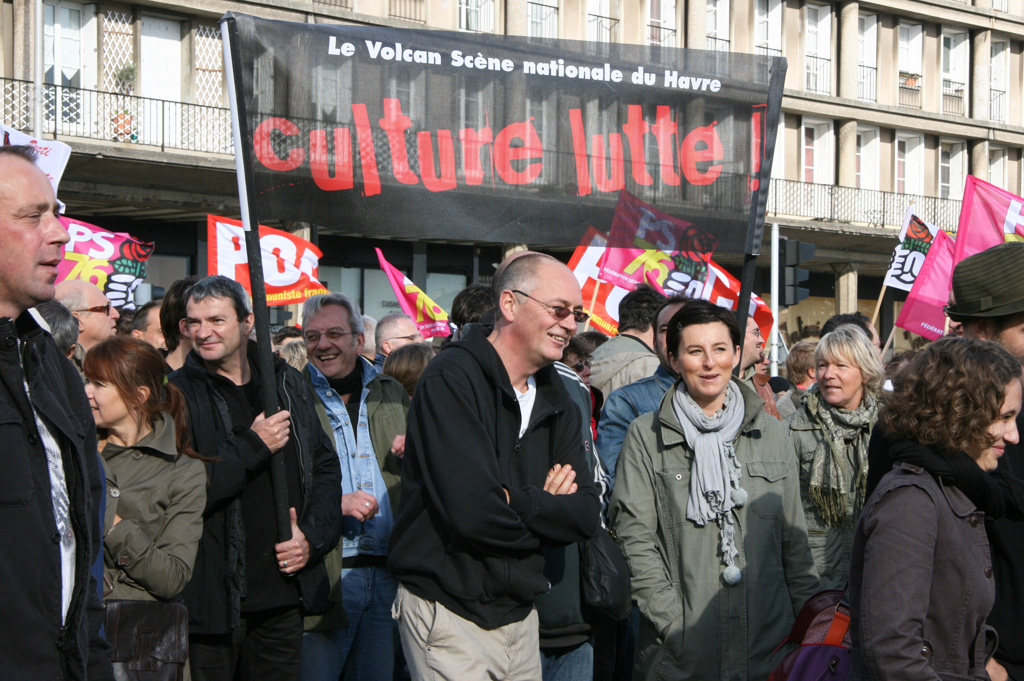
{"x":558,"y":310}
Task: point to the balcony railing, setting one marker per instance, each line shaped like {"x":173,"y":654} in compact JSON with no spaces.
{"x":866,"y":89}
{"x":766,"y":51}
{"x":910,"y":90}
{"x":851,"y":205}
{"x":997,"y":105}
{"x":718,"y":44}
{"x":410,"y":10}
{"x":602,"y":29}
{"x":661,"y":35}
{"x":91,"y":114}
{"x":342,"y":4}
{"x":952,"y":97}
{"x":819,"y":74}
{"x":543,"y":20}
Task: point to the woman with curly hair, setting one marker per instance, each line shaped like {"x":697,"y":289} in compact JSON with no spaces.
{"x":830,"y":433}
{"x":920,"y":576}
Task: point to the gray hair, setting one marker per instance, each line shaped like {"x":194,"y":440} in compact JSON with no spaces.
{"x":386,"y":326}
{"x":852,"y":344}
{"x":519,"y":272}
{"x":219,"y":286}
{"x":313,"y":305}
{"x":63,"y":325}
{"x":23,"y":151}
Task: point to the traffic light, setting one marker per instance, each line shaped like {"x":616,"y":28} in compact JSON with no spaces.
{"x":791,"y":254}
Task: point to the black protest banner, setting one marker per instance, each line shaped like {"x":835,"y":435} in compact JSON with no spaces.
{"x":478,"y":137}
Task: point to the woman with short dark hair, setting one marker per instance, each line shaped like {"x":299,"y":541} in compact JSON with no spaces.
{"x":920,"y":574}
{"x":707,"y":506}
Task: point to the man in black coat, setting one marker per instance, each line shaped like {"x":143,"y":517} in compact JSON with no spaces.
{"x":248,"y":591}
{"x":50,"y":482}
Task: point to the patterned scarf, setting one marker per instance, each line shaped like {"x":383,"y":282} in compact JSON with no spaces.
{"x":715,"y":473}
{"x":844,"y":430}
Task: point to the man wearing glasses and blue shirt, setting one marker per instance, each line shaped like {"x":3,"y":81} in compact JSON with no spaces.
{"x":494,"y":467}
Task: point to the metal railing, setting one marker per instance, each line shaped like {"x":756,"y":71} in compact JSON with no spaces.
{"x":92,"y":114}
{"x":866,"y":88}
{"x":660,"y":35}
{"x":997,"y":105}
{"x":410,"y":10}
{"x":718,"y":44}
{"x":766,"y":51}
{"x":851,"y":205}
{"x":342,"y":4}
{"x":952,"y":97}
{"x":542,"y":20}
{"x":910,"y":90}
{"x":602,"y":29}
{"x":819,"y":74}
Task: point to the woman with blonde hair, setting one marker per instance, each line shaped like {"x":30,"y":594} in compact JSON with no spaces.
{"x":830,"y":434}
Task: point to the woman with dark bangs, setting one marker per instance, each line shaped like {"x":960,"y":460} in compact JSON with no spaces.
{"x":156,"y":483}
{"x":920,"y":575}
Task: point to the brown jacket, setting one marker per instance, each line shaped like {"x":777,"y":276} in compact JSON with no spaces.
{"x":920,"y":583}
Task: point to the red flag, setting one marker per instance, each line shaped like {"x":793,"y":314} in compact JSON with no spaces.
{"x":723,"y":290}
{"x":600,"y":299}
{"x":923,"y":312}
{"x":290,"y":264}
{"x":430,"y":319}
{"x":989,"y":216}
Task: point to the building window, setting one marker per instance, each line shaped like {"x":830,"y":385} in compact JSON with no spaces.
{"x":951,"y":170}
{"x":542,"y":18}
{"x":816,"y":151}
{"x":911,"y":42}
{"x":718,"y":25}
{"x":208,"y":57}
{"x":909,"y":162}
{"x":867,"y":57}
{"x":661,"y":25}
{"x":818,"y":49}
{"x":954,"y":72}
{"x":867,"y":158}
{"x":602,"y":24}
{"x":997,"y":166}
{"x":476,"y":15}
{"x":998,"y":97}
{"x":768,"y":28}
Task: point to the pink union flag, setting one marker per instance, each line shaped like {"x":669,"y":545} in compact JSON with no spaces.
{"x":430,"y":319}
{"x":923,"y":312}
{"x":989,"y":216}
{"x":113,"y":261}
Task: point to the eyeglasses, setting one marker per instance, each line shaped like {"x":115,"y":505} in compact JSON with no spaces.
{"x":580,"y":366}
{"x":559,"y":311}
{"x":411,"y":337}
{"x":105,"y":309}
{"x":333,"y":335}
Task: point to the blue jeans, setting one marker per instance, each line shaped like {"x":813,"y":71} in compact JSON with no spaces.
{"x":568,"y":664}
{"x":365,"y":649}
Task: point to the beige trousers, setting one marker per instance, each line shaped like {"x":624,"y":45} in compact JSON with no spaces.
{"x":441,"y":646}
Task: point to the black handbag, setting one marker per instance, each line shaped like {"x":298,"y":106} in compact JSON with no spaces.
{"x":604,"y":576}
{"x":150,"y":639}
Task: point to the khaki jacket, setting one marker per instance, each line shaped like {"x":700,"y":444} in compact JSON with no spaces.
{"x":160,"y":496}
{"x":693,"y":625}
{"x":621,"y":361}
{"x":830,"y":546}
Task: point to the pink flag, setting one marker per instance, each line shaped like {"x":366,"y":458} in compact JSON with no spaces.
{"x":922,"y":313}
{"x":114,"y":261}
{"x":430,"y":319}
{"x":989,"y":216}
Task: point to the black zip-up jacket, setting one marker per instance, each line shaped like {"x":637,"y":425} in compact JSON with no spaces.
{"x":456,"y":540}
{"x":33,"y":643}
{"x":214,"y":594}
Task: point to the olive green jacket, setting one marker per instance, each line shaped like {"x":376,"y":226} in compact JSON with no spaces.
{"x":693,"y":625}
{"x":387,"y":406}
{"x":830,"y":546}
{"x":160,"y":496}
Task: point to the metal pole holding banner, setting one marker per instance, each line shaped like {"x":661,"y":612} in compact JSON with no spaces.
{"x":37,"y":73}
{"x":261,"y":315}
{"x":774,"y":336}
{"x":759,"y":206}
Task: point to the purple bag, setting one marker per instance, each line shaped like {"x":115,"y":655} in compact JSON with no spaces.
{"x":814,"y":662}
{"x":822,"y":633}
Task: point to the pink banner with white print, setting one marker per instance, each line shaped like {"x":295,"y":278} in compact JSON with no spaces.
{"x":923,"y":313}
{"x":113,"y":261}
{"x":989,"y":216}
{"x":430,"y":319}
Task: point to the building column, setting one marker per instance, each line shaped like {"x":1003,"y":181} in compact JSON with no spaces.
{"x":515,"y":17}
{"x":696,"y":25}
{"x":981,"y":77}
{"x":846,"y":287}
{"x":979,"y":159}
{"x":849,"y":29}
{"x":848,"y":153}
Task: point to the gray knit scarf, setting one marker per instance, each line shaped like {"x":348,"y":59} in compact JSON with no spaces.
{"x":843,"y":430}
{"x":715,"y":473}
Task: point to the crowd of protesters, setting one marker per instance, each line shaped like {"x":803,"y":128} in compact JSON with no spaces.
{"x":421,"y":510}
